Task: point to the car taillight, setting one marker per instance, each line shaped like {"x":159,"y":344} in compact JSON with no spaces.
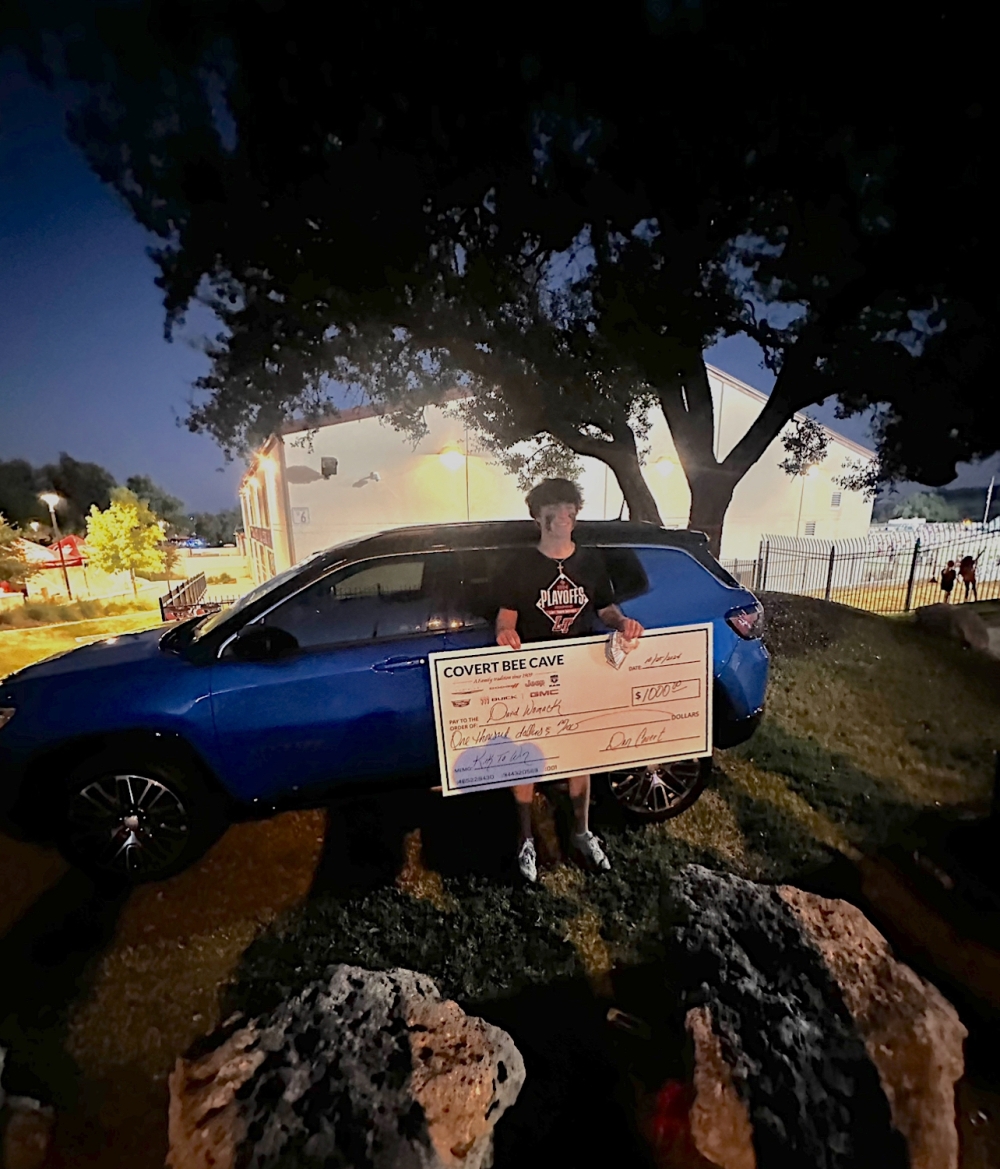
{"x":746,"y":620}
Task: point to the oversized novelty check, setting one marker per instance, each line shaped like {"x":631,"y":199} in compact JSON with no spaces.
{"x":559,"y":708}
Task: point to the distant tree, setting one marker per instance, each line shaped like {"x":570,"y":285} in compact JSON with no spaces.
{"x":216,"y":528}
{"x":164,"y":506}
{"x":14,"y":567}
{"x":927,"y":505}
{"x":19,"y":493}
{"x":83,"y":486}
{"x":125,"y":537}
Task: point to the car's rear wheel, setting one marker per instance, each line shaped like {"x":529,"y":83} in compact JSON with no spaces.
{"x":659,"y":791}
{"x":140,"y":820}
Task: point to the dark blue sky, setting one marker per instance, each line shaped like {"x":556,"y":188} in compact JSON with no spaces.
{"x":83,"y":364}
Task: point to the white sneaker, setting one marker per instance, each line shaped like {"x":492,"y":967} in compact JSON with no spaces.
{"x":589,"y":847}
{"x":527,"y":861}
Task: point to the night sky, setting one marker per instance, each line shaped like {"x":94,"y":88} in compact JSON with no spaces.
{"x":84,"y":366}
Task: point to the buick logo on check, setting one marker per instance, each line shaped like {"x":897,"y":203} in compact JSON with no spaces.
{"x":553,"y":679}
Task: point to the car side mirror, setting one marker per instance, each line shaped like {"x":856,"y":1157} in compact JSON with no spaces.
{"x":263,"y":643}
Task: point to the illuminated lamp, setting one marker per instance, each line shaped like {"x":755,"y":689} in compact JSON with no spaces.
{"x":452,"y":458}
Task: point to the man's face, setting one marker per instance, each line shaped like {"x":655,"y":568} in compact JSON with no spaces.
{"x":557,"y":519}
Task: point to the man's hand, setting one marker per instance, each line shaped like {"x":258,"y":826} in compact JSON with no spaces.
{"x":628,"y":627}
{"x":507,"y":629}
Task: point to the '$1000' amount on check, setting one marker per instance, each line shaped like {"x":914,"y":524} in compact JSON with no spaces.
{"x":558,"y":708}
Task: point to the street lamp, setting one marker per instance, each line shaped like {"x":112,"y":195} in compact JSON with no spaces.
{"x":51,"y":499}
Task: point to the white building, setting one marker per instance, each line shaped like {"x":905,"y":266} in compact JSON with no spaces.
{"x":311,"y":488}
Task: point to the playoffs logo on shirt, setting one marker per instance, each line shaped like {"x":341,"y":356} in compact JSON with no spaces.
{"x":562,"y":602}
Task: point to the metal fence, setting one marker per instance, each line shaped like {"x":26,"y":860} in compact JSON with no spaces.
{"x":890,"y":571}
{"x":189,"y":599}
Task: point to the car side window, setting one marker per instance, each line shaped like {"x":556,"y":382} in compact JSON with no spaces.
{"x":470,"y":580}
{"x":373,"y":600}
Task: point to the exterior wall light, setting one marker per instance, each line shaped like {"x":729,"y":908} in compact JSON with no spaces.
{"x":452,"y":458}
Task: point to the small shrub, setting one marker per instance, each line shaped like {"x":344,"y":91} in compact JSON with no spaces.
{"x":222,"y":578}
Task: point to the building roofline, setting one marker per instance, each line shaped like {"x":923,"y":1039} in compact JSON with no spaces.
{"x":360,"y":413}
{"x":762,"y":397}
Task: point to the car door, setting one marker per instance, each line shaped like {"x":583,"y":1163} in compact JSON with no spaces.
{"x":353,"y":702}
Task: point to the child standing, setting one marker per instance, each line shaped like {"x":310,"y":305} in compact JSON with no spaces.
{"x":948,"y":580}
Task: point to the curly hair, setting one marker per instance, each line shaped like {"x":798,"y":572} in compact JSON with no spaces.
{"x":551,"y":491}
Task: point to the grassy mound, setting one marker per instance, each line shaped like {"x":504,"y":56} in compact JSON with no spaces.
{"x":869,"y":722}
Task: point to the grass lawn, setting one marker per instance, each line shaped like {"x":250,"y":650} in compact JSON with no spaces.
{"x":21,"y":647}
{"x":870,"y":721}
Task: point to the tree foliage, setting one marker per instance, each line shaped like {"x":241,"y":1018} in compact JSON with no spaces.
{"x":125,"y":537}
{"x":806,"y":444}
{"x":164,"y":506}
{"x":80,"y":484}
{"x":561,"y":222}
{"x":216,"y":528}
{"x":928,"y":505}
{"x":14,"y":567}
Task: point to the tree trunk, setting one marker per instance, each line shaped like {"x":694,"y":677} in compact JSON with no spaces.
{"x":711,"y":493}
{"x":621,"y":456}
{"x":639,"y":499}
{"x":686,"y":401}
{"x":135,"y":589}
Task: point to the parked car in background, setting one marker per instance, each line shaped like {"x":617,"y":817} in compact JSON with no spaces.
{"x":134,"y":752}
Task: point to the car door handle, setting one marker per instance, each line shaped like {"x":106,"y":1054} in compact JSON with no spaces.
{"x":391,"y":664}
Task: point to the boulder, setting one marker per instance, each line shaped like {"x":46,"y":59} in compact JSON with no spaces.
{"x":958,"y":622}
{"x":813,"y":1046}
{"x":371,"y":1069}
{"x":912,"y":1034}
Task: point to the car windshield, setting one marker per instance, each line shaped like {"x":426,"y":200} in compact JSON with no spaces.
{"x":214,"y":620}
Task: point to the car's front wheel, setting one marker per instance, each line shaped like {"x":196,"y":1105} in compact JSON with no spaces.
{"x":140,"y":820}
{"x":659,"y":791}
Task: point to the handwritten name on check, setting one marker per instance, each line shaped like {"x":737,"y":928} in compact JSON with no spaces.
{"x":559,"y":708}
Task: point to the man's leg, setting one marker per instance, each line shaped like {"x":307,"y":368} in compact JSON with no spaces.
{"x":579,"y":794}
{"x":584,"y":841}
{"x":524,"y":793}
{"x":527,"y":860}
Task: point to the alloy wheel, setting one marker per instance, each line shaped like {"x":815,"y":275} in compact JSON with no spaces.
{"x":660,"y":790}
{"x":131,"y":825}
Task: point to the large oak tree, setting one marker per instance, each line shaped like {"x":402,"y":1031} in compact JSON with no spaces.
{"x":384,"y":196}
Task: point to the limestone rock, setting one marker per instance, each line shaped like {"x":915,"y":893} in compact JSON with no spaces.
{"x":720,"y":1123}
{"x":795,"y":1057}
{"x":205,"y":1125}
{"x":372,"y":1069}
{"x":957,"y":622}
{"x":912,"y":1034}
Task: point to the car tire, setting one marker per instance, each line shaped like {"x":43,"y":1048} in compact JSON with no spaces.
{"x":137,"y":819}
{"x":648,"y":795}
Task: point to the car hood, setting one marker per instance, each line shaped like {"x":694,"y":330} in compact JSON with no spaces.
{"x":122,"y":649}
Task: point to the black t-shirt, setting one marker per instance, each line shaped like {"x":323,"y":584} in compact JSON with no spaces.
{"x":555,"y":598}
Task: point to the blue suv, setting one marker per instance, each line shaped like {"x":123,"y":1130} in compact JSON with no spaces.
{"x":134,"y":753}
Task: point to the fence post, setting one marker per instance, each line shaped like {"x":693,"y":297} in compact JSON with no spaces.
{"x":829,"y":571}
{"x":767,"y":557}
{"x":913,"y":572}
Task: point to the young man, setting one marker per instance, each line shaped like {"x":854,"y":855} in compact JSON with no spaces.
{"x":557,"y":590}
